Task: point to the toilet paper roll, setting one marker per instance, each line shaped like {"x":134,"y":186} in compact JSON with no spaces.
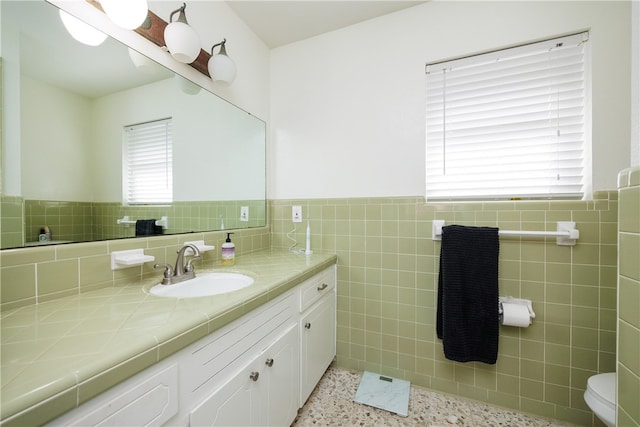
{"x":515,"y":315}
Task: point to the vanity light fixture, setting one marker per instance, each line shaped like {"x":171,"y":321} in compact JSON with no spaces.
{"x":181,"y":39}
{"x":81,"y":31}
{"x":221,"y":68}
{"x":128,"y":14}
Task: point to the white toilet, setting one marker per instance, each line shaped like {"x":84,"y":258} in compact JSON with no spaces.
{"x":601,"y":397}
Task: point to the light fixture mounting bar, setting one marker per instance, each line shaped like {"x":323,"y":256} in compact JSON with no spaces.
{"x":153,"y":30}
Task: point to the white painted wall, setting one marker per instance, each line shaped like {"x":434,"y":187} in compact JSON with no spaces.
{"x":216,"y":148}
{"x":9,"y":49}
{"x":75,"y":152}
{"x":347,"y":107}
{"x":55,"y":143}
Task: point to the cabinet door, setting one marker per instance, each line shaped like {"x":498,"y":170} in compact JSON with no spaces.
{"x":318,"y":344}
{"x":262,"y":393}
{"x":232,"y":404}
{"x":282,"y":361}
{"x":148,"y":399}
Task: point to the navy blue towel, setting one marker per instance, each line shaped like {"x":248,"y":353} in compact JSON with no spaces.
{"x":147,"y":227}
{"x":467,"y":313}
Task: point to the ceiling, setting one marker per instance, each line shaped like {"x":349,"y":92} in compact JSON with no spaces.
{"x":279,"y":23}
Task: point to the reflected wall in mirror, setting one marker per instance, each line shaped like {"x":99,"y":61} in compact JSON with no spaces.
{"x":65,"y":108}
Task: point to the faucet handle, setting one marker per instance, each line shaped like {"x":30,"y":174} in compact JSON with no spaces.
{"x":196,"y":256}
{"x":168,"y":270}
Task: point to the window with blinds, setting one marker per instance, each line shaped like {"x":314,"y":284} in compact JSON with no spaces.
{"x":509,"y":124}
{"x":148,"y":172}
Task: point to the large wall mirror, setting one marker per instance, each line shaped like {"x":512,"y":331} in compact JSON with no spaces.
{"x":66,"y":106}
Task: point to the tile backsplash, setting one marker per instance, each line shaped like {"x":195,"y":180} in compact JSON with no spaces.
{"x":89,"y":221}
{"x":387,"y":290}
{"x":38,"y":274}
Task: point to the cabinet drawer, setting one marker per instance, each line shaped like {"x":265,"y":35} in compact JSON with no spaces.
{"x":316,"y":287}
{"x":147,"y":399}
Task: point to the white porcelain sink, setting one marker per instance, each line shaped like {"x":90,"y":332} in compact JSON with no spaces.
{"x":204,"y":284}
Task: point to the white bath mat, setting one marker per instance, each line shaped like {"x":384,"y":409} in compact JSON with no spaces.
{"x":379,"y":391}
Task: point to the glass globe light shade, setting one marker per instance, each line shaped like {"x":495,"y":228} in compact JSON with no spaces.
{"x":129,"y":14}
{"x":182,"y":41}
{"x":144,"y":64}
{"x":81,"y":31}
{"x":222,"y":69}
{"x":187,"y":86}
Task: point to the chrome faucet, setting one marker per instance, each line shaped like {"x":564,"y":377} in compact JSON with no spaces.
{"x":180,"y":272}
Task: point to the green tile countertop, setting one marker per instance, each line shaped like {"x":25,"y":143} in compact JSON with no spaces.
{"x":59,"y":354}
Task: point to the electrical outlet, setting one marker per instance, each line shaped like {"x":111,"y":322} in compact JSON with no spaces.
{"x":296,"y":213}
{"x":244,"y":213}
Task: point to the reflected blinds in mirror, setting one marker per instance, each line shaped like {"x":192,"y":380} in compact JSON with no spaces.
{"x":148,"y":172}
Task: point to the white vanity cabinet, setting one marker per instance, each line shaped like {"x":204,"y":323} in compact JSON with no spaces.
{"x":255,"y":371}
{"x":317,"y":329}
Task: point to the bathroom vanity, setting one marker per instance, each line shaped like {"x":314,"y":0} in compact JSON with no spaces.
{"x":250,"y":357}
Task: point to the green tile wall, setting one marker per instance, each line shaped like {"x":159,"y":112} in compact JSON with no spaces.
{"x":67,"y":221}
{"x":87,"y":221}
{"x":33,"y":275}
{"x":628,"y":367}
{"x":387,"y":281}
{"x":183,"y":217}
{"x":11,"y":221}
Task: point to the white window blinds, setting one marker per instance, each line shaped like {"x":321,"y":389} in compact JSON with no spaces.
{"x":508,"y":124}
{"x":148,"y":163}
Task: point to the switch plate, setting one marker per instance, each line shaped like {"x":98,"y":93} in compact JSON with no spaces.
{"x":296,"y":213}
{"x":244,"y":213}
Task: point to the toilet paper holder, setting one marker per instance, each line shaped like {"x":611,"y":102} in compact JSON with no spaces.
{"x":510,"y":300}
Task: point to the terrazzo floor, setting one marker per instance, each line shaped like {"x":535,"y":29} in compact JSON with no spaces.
{"x":331,"y":404}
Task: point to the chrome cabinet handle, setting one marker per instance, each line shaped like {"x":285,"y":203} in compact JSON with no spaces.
{"x":322,"y":287}
{"x":254,"y":376}
{"x":307,"y":325}
{"x":269,"y":362}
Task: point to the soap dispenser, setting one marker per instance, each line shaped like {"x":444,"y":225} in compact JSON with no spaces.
{"x":228,"y":251}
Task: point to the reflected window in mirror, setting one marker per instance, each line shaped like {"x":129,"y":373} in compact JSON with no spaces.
{"x":148,"y":171}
